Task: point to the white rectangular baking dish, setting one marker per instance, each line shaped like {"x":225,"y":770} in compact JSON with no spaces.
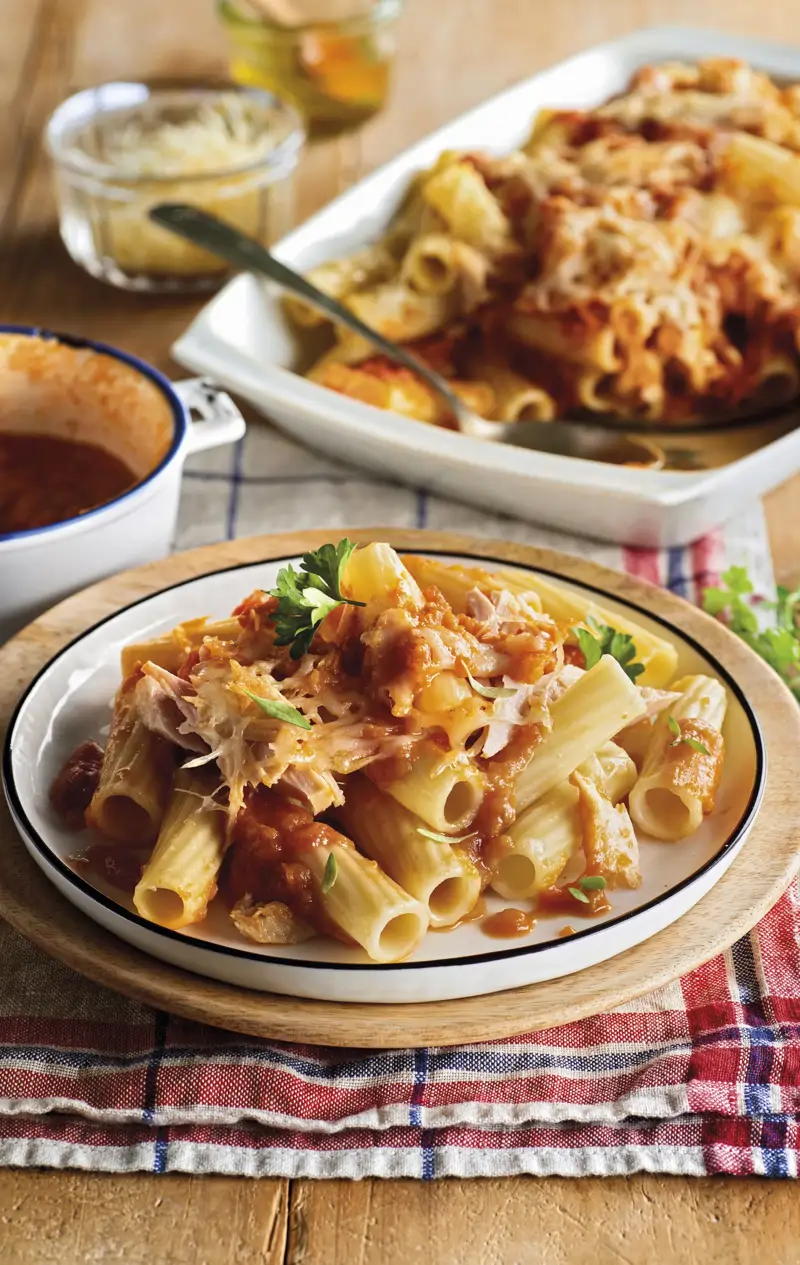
{"x":242,"y":338}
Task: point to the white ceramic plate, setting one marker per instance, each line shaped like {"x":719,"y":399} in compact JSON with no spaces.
{"x":244,"y":341}
{"x":69,"y":701}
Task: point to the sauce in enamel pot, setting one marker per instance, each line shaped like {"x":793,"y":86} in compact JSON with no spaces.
{"x":46,"y":480}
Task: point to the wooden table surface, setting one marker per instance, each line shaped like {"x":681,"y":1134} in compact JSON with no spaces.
{"x":453,"y":54}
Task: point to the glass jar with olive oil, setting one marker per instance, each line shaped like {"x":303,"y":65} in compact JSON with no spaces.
{"x":331,"y":59}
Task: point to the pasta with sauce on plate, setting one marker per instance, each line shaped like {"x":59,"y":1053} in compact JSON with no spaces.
{"x":365,"y":750}
{"x":639,"y":260}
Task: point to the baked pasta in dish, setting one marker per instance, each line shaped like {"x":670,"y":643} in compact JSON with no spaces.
{"x":365,"y":750}
{"x":639,"y":260}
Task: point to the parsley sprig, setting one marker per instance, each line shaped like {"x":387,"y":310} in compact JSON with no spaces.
{"x":779,"y":645}
{"x":596,"y":639}
{"x":306,"y":596}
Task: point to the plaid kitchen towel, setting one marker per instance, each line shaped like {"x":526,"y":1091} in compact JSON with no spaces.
{"x":701,"y":1077}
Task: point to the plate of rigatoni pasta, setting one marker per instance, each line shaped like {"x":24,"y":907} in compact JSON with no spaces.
{"x":365,"y":773}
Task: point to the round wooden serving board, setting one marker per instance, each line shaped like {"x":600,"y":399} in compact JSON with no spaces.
{"x":758,"y":876}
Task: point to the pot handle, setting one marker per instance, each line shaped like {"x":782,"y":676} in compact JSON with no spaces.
{"x":220,"y":421}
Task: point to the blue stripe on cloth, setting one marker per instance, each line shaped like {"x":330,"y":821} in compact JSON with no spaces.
{"x":236,"y":483}
{"x":272,"y":480}
{"x":760,"y":1039}
{"x":151,"y":1089}
{"x":774,"y":1155}
{"x":153,"y":1064}
{"x":420,"y":1083}
{"x":422,"y":509}
{"x":427,"y":1136}
{"x":428,"y":1155}
{"x":677,"y":581}
{"x":467,"y":1060}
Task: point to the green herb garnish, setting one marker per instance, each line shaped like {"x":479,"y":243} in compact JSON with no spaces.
{"x":592,"y":883}
{"x":306,"y":596}
{"x":490,"y":691}
{"x":678,"y":737}
{"x":278,"y":710}
{"x":778,"y":646}
{"x":597,"y":639}
{"x":437,"y":838}
{"x":330,"y":874}
{"x":578,"y":894}
{"x":589,"y":883}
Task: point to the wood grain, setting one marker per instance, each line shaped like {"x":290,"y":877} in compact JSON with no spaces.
{"x":757,"y":877}
{"x":452,"y":54}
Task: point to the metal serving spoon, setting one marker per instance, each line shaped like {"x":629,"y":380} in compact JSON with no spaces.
{"x":570,"y":439}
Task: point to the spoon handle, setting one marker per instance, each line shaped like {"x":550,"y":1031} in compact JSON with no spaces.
{"x":246,"y":253}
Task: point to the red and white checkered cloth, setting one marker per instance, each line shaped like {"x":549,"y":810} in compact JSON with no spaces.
{"x":701,"y":1077}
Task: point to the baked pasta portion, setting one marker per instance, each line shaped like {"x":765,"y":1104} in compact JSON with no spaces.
{"x":639,"y":260}
{"x":369,"y":749}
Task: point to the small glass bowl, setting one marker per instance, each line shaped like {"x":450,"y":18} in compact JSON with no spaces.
{"x":107,"y":178}
{"x":335,"y":69}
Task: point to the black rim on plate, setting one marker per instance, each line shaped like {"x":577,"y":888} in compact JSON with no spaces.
{"x":55,"y":862}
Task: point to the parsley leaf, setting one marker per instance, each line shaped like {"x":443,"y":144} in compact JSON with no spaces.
{"x":597,"y":639}
{"x":678,"y":737}
{"x":490,"y":691}
{"x":437,"y":838}
{"x":330,"y":874}
{"x":280,"y":710}
{"x":306,"y":596}
{"x":779,"y":646}
{"x":578,"y":894}
{"x":592,"y":883}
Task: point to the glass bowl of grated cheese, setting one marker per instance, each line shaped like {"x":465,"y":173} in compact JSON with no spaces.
{"x":121,"y":148}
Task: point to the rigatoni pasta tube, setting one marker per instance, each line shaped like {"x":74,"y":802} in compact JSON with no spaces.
{"x":445,"y":795}
{"x":455,"y":581}
{"x":400,"y":313}
{"x":546,"y":835}
{"x":587,"y":714}
{"x":135,"y":777}
{"x":679,"y":779}
{"x":550,"y":335}
{"x":430,"y":264}
{"x":516,"y":399}
{"x":338,"y":278}
{"x":609,"y":840}
{"x":472,"y":213}
{"x":375,"y":576}
{"x":170,"y":650}
{"x":365,"y":903}
{"x":180,"y":878}
{"x":443,"y":877}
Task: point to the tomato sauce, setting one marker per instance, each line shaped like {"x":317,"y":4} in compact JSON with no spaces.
{"x":267,"y":858}
{"x":72,"y":790}
{"x":508,"y":924}
{"x":45,"y":480}
{"x":119,"y":864}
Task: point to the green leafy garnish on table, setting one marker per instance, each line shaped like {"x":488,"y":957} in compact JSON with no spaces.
{"x":597,"y":639}
{"x":778,"y":645}
{"x":277,"y":709}
{"x":330,"y":873}
{"x":306,"y":596}
{"x":679,"y":737}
